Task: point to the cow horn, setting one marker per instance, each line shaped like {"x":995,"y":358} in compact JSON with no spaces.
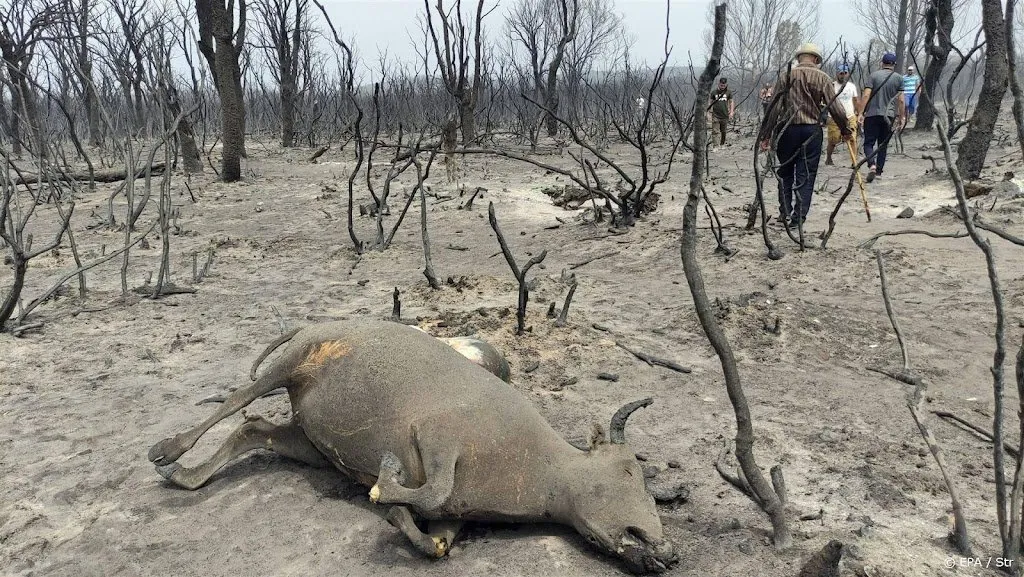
{"x":617,"y":431}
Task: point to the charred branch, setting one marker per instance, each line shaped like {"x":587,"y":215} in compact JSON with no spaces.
{"x":524,"y":291}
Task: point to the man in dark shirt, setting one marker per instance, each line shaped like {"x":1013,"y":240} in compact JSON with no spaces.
{"x":794,"y":121}
{"x":882,"y":111}
{"x":722,"y":108}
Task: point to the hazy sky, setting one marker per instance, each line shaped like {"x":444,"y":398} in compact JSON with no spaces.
{"x":386,"y":25}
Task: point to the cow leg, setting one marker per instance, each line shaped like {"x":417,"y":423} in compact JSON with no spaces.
{"x":436,"y":542}
{"x":256,"y":433}
{"x":167,"y":451}
{"x":439,"y":467}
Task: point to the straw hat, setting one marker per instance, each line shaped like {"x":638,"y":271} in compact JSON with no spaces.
{"x":808,"y":48}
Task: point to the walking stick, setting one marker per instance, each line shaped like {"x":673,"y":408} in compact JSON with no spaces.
{"x":860,"y":182}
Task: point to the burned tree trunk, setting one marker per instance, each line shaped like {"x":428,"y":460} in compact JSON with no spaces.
{"x":770,"y":497}
{"x":973,"y":148}
{"x":221,"y":45}
{"x":458,"y":44}
{"x":938,"y":39}
{"x":192,"y":160}
{"x":282,"y":42}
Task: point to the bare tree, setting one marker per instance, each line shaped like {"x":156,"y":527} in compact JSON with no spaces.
{"x":545,"y":28}
{"x":23,"y":25}
{"x":459,"y":53}
{"x":938,"y":43}
{"x":898,"y":25}
{"x":973,"y":148}
{"x":221,"y":43}
{"x":770,"y":497}
{"x":762,"y":35}
{"x":281,"y":38}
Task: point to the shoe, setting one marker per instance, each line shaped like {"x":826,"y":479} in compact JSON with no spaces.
{"x":871,"y":174}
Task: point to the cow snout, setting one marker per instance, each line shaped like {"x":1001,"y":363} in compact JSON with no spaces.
{"x":643,"y":554}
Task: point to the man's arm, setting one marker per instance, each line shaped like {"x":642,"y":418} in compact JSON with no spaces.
{"x":863,"y":101}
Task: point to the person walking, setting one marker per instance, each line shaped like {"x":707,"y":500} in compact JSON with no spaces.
{"x":801,"y":93}
{"x":882,"y":109}
{"x":911,"y":90}
{"x":766,"y":97}
{"x":722,"y":109}
{"x":846,"y":94}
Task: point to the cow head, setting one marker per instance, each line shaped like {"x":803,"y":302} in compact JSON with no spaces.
{"x":611,"y":507}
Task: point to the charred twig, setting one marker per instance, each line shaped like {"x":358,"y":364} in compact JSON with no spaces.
{"x":560,"y":322}
{"x":1011,"y":524}
{"x":577,"y":265}
{"x":469,"y":203}
{"x":889,"y":311}
{"x":320,"y":152}
{"x":428,"y":266}
{"x":871,"y":241}
{"x":396,"y":308}
{"x":997,"y":231}
{"x":655,"y":361}
{"x":960,"y":538}
{"x":977,"y":429}
{"x":761,"y":491}
{"x":716,"y":226}
{"x":524,"y":291}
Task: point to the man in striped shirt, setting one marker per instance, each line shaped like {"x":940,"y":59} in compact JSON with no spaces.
{"x":801,"y":94}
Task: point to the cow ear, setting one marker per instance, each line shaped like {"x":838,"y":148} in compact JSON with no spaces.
{"x":597,"y":436}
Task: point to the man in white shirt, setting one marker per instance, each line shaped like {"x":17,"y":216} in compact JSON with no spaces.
{"x":846,"y":94}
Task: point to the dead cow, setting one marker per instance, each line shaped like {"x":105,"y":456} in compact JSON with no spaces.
{"x":474,"y":349}
{"x":438,"y":437}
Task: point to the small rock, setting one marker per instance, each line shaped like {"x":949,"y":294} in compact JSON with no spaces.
{"x":650,"y":471}
{"x":865,"y":531}
{"x":853,"y":551}
{"x":600,"y":327}
{"x":674,"y":465}
{"x":608,"y":377}
{"x":907,"y":213}
{"x":746,"y":547}
{"x":735,"y":525}
{"x":973,"y":189}
{"x":531,"y":366}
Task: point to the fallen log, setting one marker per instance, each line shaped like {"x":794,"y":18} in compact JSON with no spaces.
{"x":105,"y":176}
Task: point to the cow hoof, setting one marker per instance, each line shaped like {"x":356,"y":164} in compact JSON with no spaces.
{"x":168,"y":470}
{"x":165,"y":452}
{"x":440,"y":546}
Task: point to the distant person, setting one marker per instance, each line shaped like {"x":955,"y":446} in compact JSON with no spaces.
{"x":766,"y":97}
{"x":846,"y":94}
{"x":722,"y":109}
{"x":911,"y":89}
{"x":882,"y":108}
{"x":801,"y":94}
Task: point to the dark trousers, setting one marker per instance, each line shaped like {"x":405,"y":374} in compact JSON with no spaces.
{"x":719,"y":126}
{"x":877,"y":131}
{"x":799,"y":151}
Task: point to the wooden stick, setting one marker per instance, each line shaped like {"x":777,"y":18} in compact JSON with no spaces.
{"x":652,"y":360}
{"x":560,"y":322}
{"x":590,"y":260}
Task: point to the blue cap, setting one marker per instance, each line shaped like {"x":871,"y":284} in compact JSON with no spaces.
{"x":844,"y":67}
{"x":889,"y":58}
